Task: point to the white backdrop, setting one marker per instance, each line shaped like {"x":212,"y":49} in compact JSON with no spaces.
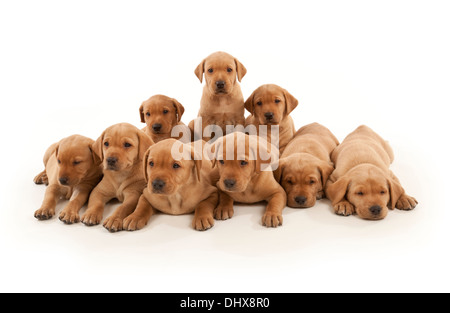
{"x":79,"y":67}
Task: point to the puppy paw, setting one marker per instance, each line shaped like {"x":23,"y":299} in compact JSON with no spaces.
{"x":134,"y":222}
{"x":271,"y":219}
{"x":41,"y":178}
{"x":68,"y":217}
{"x":406,"y":203}
{"x":44,"y":214}
{"x":320,"y":195}
{"x":113,"y":224}
{"x":91,"y":218}
{"x":344,"y":208}
{"x":203,"y":223}
{"x":223,"y":213}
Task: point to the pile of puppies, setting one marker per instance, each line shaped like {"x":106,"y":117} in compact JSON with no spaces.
{"x":138,"y":167}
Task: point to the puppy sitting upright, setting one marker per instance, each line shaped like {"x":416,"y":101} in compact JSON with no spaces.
{"x":161,"y":114}
{"x":121,"y":148}
{"x":222,"y":101}
{"x":362,"y":182}
{"x":72,"y":170}
{"x":305,"y":165}
{"x":176,"y":185}
{"x":270,"y":105}
{"x":241,"y":161}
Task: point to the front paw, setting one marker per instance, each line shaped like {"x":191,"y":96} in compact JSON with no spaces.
{"x":344,"y":208}
{"x":113,"y":224}
{"x":44,"y":214}
{"x":68,"y":217}
{"x":91,"y":218}
{"x":406,"y":203}
{"x":223,"y":213}
{"x":203,"y":223}
{"x":134,"y":222}
{"x":271,"y":219}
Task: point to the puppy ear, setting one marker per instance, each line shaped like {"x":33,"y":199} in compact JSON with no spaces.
{"x":278,"y":173}
{"x":97,"y":147}
{"x":325,"y":170}
{"x":395,"y":191}
{"x":216,"y":149}
{"x":144,"y":143}
{"x":200,"y":70}
{"x":240,"y":69}
{"x":179,"y":109}
{"x":145,"y":163}
{"x":336,"y":191}
{"x":197,"y":162}
{"x":249,"y":105}
{"x":291,"y":102}
{"x":141,"y":112}
{"x":95,"y":158}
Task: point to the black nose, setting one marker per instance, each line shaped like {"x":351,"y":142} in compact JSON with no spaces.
{"x":156,"y":127}
{"x":229,"y":183}
{"x":111,"y":161}
{"x":220,"y":84}
{"x":268,"y":115}
{"x":375,"y":210}
{"x":64,"y":180}
{"x":300,"y":200}
{"x":158,"y":184}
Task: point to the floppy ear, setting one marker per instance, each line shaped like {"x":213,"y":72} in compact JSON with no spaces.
{"x":141,"y":112}
{"x":179,"y":109}
{"x":145,"y":163}
{"x":291,"y":102}
{"x":197,"y":162}
{"x":240,"y":69}
{"x":396,"y":191}
{"x":216,"y":147}
{"x":278,"y":173}
{"x":97,"y":147}
{"x":144,"y":143}
{"x":200,"y":70}
{"x":336,"y":191}
{"x":249,"y":105}
{"x":325,"y":170}
{"x":95,"y":158}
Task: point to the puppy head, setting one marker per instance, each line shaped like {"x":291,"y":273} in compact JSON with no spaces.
{"x":121,"y":147}
{"x":164,"y":173}
{"x":220,"y":70}
{"x":270,"y":104}
{"x":161,"y":114}
{"x":368,"y":189}
{"x":239,"y":158}
{"x":303,"y":177}
{"x":75,"y":159}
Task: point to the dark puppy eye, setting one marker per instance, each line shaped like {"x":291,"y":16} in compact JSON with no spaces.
{"x":59,"y":161}
{"x":289,"y":182}
{"x":277,"y":101}
{"x":176,"y":165}
{"x":76,"y":162}
{"x":210,"y":70}
{"x":127,"y":145}
{"x":383,"y":192}
{"x":360,"y":193}
{"x":229,"y":70}
{"x":244,"y":163}
{"x":312,"y":181}
{"x":148,"y":113}
{"x":259,"y":103}
{"x":222,"y":162}
{"x":106,"y":144}
{"x":166,"y":111}
{"x":151,"y":164}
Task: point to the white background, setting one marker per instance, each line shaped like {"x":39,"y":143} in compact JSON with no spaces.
{"x":71,"y":67}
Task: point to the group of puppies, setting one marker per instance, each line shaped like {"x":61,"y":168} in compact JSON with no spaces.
{"x":138,"y":166}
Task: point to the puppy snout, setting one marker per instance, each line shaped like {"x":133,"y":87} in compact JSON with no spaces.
{"x":375,"y":210}
{"x":229,"y":183}
{"x":64,"y":181}
{"x":158,"y":184}
{"x":111,"y":161}
{"x":300,"y":200}
{"x":156,"y":127}
{"x":220,"y":84}
{"x":269,"y":116}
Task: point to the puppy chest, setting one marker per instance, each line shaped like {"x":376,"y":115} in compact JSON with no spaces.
{"x":176,"y":205}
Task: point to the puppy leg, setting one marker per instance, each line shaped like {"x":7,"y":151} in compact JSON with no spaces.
{"x":140,"y":217}
{"x":41,"y":178}
{"x":404,"y":202}
{"x":344,"y":208}
{"x":225,"y":209}
{"x":114,"y":223}
{"x":274,"y":209}
{"x":94,"y":214}
{"x":204,"y":213}
{"x":70,"y":214}
{"x":47,"y":210}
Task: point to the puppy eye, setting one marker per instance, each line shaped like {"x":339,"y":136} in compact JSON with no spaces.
{"x":76,"y":162}
{"x":148,"y":113}
{"x":244,"y":163}
{"x":259,"y":103}
{"x":383,"y":192}
{"x":127,"y":145}
{"x":222,"y":162}
{"x":151,"y":164}
{"x":277,"y":101}
{"x":360,"y":193}
{"x":312,"y":181}
{"x":210,"y":70}
{"x":106,"y":144}
{"x":229,"y":70}
{"x":59,"y":161}
{"x":166,"y":111}
{"x":176,"y":165}
{"x":289,"y":181}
